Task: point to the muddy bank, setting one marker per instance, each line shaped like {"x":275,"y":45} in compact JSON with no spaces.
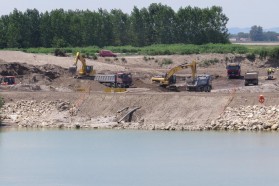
{"x":166,"y":111}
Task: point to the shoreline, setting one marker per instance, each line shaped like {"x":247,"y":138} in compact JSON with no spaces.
{"x":45,"y":111}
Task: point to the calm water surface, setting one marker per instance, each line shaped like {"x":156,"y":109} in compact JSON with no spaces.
{"x":138,"y":158}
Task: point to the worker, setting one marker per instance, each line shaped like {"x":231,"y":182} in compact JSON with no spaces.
{"x":269,"y":71}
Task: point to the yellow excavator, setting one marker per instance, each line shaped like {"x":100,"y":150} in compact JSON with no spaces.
{"x":85,"y":71}
{"x":169,"y":79}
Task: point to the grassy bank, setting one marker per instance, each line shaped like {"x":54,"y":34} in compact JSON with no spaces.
{"x":170,"y":49}
{"x":150,"y":50}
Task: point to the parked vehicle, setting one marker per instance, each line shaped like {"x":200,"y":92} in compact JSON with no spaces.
{"x":107,"y":53}
{"x":7,"y":80}
{"x":251,"y":77}
{"x":233,"y":70}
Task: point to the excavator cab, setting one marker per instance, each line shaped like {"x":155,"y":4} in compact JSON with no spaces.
{"x":172,"y":79}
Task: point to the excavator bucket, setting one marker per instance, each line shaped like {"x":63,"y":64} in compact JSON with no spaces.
{"x":73,"y":70}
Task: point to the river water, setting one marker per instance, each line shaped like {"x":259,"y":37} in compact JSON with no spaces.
{"x":138,"y":158}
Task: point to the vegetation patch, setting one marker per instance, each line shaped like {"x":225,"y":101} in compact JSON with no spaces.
{"x":206,"y":63}
{"x":251,"y":56}
{"x":166,"y":62}
{"x":123,"y":60}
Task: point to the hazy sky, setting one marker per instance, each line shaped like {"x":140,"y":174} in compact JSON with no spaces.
{"x":241,"y":13}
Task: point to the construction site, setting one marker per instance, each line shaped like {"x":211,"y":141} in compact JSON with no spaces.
{"x":172,"y":92}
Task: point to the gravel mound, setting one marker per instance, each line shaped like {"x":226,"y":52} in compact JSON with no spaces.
{"x":257,"y":117}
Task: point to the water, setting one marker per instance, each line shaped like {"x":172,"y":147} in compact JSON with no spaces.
{"x":138,"y":158}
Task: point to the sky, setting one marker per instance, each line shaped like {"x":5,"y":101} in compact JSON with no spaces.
{"x":241,"y":13}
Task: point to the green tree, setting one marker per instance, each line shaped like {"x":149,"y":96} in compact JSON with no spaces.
{"x":120,"y":22}
{"x":105,"y":29}
{"x":91,"y":23}
{"x":270,"y":36}
{"x":60,"y":28}
{"x":15,"y":30}
{"x":163,"y":20}
{"x":137,"y":28}
{"x":157,"y":24}
{"x":32,"y":27}
{"x":243,"y":35}
{"x":256,"y":33}
{"x":4,"y":21}
{"x":214,"y":25}
{"x":46,"y":32}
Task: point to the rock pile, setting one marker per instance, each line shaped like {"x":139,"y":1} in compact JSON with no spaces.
{"x":255,"y":117}
{"x":62,"y":114}
{"x":49,"y":114}
{"x":32,"y":113}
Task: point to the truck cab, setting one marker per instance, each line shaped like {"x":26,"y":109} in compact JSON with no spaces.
{"x":124,"y":79}
{"x":233,"y":70}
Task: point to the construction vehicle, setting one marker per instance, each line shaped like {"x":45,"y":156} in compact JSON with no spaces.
{"x":200,"y":83}
{"x":233,"y":70}
{"x":116,"y":80}
{"x":251,"y":77}
{"x":270,"y":72}
{"x":7,"y":80}
{"x":169,"y":79}
{"x":86,"y":71}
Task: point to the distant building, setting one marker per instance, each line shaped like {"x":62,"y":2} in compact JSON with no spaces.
{"x":244,"y":39}
{"x":233,"y":39}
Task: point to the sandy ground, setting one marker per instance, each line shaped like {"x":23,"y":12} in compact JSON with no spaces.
{"x":157,"y":107}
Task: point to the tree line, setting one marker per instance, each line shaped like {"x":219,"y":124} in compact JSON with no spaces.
{"x":156,"y":24}
{"x":256,"y":33}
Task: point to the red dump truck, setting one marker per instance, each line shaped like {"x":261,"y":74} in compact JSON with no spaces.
{"x":233,"y":70}
{"x":7,"y":80}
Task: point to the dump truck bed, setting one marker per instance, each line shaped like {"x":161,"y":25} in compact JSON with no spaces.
{"x":251,"y":75}
{"x":105,"y":78}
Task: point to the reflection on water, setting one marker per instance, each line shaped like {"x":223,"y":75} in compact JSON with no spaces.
{"x":137,"y":158}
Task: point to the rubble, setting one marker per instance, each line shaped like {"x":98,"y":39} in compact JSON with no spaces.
{"x":257,"y":117}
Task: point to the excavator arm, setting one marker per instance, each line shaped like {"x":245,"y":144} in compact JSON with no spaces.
{"x":85,"y":70}
{"x":82,"y":71}
{"x":165,"y":81}
{"x":181,"y":67}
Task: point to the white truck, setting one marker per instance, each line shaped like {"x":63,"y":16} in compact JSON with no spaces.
{"x":201,"y":83}
{"x":251,"y":77}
